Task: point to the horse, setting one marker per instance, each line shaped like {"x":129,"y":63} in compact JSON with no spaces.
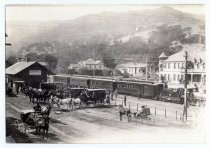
{"x":45,"y":110}
{"x":43,"y":123}
{"x":58,"y":101}
{"x":67,"y":102}
{"x":107,"y":99}
{"x":123,"y":111}
{"x":76,"y":102}
{"x":54,"y":100}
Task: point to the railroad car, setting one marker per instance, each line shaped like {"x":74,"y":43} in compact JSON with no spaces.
{"x":65,"y":79}
{"x":79,"y":82}
{"x":147,"y":90}
{"x":130,"y":88}
{"x":102,"y":84}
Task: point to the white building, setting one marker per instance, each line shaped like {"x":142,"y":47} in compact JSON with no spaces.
{"x":92,"y":64}
{"x":132,"y":68}
{"x":172,"y":68}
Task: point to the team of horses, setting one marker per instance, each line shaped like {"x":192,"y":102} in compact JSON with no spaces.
{"x":53,"y":98}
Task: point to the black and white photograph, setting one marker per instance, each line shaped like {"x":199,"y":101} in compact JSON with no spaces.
{"x":105,"y":74}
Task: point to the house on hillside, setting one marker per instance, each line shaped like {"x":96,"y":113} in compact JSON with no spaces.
{"x":74,"y":66}
{"x":172,"y":68}
{"x":92,"y":64}
{"x":89,"y":63}
{"x":132,"y":68}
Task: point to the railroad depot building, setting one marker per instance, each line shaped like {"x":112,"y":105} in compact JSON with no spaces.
{"x":172,"y":68}
{"x":32,"y":73}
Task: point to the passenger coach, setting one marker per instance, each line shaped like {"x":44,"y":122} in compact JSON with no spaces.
{"x":147,"y":90}
{"x":103,"y":84}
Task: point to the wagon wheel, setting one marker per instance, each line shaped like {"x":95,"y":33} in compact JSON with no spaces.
{"x":150,"y":119}
{"x":129,"y":117}
{"x":17,"y":123}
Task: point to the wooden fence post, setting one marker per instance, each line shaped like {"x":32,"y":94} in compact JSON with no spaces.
{"x":165,"y":112}
{"x":137,"y":106}
{"x":129,"y":105}
{"x":155,"y":111}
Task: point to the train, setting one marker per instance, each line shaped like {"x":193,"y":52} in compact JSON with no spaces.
{"x":132,"y":87}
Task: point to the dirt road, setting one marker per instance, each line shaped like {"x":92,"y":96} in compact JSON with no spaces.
{"x":102,"y":125}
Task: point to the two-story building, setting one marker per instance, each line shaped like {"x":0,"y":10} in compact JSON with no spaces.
{"x":172,"y":68}
{"x":90,"y":64}
{"x":132,"y":68}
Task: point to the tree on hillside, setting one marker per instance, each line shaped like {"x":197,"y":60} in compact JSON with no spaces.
{"x":52,"y":62}
{"x":108,"y":60}
{"x":12,"y":60}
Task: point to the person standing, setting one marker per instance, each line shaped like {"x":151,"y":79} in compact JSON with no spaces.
{"x":125,"y":100}
{"x":116,"y":93}
{"x":139,"y":96}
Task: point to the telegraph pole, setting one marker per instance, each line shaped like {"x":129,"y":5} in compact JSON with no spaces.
{"x":185,"y":89}
{"x":94,"y":73}
{"x":146,"y":69}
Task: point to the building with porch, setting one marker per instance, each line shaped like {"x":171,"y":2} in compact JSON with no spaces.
{"x":132,"y":68}
{"x":92,"y":64}
{"x":172,"y":68}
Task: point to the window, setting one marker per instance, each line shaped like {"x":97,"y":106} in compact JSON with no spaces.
{"x":168,"y":77}
{"x":169,"y":65}
{"x":178,"y":77}
{"x":174,"y":77}
{"x":182,"y":77}
{"x":182,"y":65}
{"x":174,"y":65}
{"x":198,"y":66}
{"x":178,"y":65}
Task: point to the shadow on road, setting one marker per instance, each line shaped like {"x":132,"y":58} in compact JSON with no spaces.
{"x":18,"y":136}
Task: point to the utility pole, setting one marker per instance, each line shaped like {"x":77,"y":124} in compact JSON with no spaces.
{"x":185,"y":89}
{"x":94,"y":73}
{"x":146,"y":69}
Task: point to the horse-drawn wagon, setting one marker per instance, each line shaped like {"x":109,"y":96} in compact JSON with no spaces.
{"x":34,"y":120}
{"x":93,"y":96}
{"x":144,"y":115}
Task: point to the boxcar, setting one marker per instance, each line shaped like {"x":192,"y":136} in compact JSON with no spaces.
{"x":79,"y":82}
{"x":102,"y":84}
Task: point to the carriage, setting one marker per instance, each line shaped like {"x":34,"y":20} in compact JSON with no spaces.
{"x":144,"y":116}
{"x":32,"y":119}
{"x":93,"y":96}
{"x":97,"y":95}
{"x":75,"y":92}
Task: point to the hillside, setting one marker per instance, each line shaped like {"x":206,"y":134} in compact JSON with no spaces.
{"x":74,"y":40}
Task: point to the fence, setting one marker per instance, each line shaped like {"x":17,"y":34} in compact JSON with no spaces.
{"x":161,"y":112}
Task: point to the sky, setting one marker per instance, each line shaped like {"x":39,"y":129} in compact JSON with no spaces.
{"x":65,"y":12}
